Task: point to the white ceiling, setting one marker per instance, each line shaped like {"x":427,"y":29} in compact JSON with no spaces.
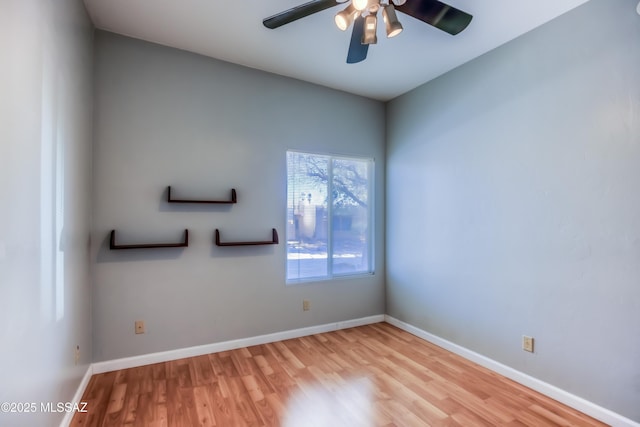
{"x":313,"y":49}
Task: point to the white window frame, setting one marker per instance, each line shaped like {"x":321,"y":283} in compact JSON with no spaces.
{"x":370,"y":220}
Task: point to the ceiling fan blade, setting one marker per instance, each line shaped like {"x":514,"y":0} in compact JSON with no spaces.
{"x":357,"y":50}
{"x":442,"y":16}
{"x":297,"y":12}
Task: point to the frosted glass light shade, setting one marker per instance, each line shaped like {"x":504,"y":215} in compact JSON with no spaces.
{"x":370,"y":25}
{"x":345,"y":17}
{"x":360,"y":4}
{"x":393,"y":26}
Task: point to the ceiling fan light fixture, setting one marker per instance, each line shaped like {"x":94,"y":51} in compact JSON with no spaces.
{"x":370,"y":26}
{"x":393,"y":26}
{"x":360,"y":4}
{"x":363,"y":15}
{"x":345,"y":17}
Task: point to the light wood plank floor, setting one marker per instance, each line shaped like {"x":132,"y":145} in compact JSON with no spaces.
{"x":375,"y":375}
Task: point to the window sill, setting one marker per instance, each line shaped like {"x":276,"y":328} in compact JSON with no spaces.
{"x":336,"y":277}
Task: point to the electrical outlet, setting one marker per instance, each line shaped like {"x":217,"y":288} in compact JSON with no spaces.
{"x":527,"y":343}
{"x":76,"y":356}
{"x":306,"y":305}
{"x":139,"y":326}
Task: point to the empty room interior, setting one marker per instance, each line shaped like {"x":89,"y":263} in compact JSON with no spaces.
{"x":209,"y":221}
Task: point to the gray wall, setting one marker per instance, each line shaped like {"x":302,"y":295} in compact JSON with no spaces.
{"x":168,"y":117}
{"x":513,"y":205}
{"x":45,"y":147}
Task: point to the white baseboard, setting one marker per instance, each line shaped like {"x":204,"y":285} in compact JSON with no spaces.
{"x":576,"y":402}
{"x":77,"y":397}
{"x":571,"y":400}
{"x":165,"y":356}
{"x":132,"y":362}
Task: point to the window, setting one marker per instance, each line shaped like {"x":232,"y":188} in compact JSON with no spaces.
{"x":329,"y":219}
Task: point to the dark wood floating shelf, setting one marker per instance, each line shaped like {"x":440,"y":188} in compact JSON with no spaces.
{"x":273,"y":241}
{"x":183,"y":244}
{"x":234,"y":199}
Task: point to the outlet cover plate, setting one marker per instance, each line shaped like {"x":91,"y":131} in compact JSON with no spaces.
{"x":139,"y":326}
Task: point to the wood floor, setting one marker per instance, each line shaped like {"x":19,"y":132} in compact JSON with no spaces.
{"x":375,"y":375}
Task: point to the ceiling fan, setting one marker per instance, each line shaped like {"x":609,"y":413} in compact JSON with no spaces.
{"x":363,"y":15}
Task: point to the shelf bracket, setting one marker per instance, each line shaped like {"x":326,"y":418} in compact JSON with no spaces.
{"x":113,"y":245}
{"x":234,"y":199}
{"x":273,"y":241}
